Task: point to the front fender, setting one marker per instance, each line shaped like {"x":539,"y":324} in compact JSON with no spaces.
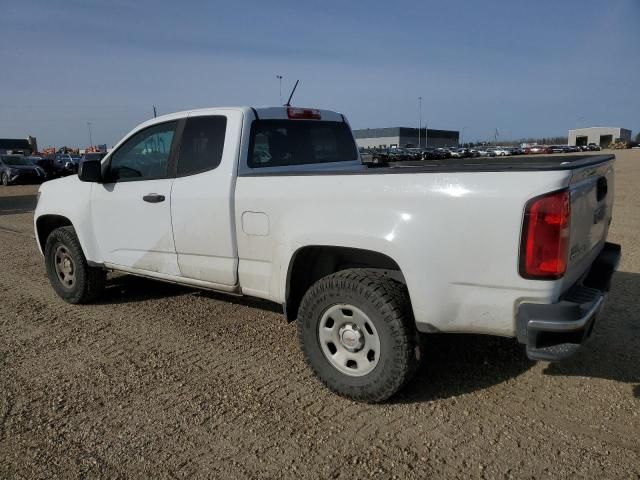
{"x":69,"y":198}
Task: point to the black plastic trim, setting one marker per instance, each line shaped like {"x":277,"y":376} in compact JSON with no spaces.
{"x":172,"y":164}
{"x":553,"y":331}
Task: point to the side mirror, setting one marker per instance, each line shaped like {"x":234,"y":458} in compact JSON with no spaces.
{"x":90,"y":171}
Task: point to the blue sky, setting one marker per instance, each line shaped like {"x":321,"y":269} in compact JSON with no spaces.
{"x":526,"y":68}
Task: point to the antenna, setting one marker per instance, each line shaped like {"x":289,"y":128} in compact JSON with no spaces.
{"x":154,"y":112}
{"x":288,"y":104}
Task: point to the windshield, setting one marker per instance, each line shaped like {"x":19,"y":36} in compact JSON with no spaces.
{"x":17,"y":161}
{"x":300,"y":142}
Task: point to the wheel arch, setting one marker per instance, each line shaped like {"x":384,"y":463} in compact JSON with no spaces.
{"x":310,"y":263}
{"x":45,"y":224}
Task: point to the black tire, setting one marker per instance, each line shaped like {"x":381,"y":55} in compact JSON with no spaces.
{"x":386,"y":304}
{"x":5,"y":179}
{"x":88,"y":282}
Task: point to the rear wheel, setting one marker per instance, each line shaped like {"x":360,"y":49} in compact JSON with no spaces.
{"x":70,"y":275}
{"x":357,"y":333}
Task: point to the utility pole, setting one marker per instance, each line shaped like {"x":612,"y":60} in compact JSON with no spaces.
{"x":90,"y":137}
{"x":419,"y":121}
{"x":155,"y":114}
{"x":426,"y":135}
{"x":279,"y":77}
{"x":462,"y":136}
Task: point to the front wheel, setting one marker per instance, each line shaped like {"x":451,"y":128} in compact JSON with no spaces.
{"x":5,"y":179}
{"x":357,"y":333}
{"x":70,"y":275}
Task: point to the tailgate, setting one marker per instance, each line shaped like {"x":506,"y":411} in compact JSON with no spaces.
{"x":591,"y":210}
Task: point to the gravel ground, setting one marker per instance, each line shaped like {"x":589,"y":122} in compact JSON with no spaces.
{"x":159,"y":381}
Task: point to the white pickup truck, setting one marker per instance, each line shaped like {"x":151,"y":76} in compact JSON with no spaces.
{"x":277,"y":203}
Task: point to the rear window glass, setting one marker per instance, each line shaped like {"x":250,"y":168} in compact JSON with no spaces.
{"x":276,"y":143}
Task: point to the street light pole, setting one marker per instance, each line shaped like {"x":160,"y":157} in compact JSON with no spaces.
{"x":279,"y":77}
{"x":462,"y":136}
{"x":90,"y":137}
{"x":419,"y":121}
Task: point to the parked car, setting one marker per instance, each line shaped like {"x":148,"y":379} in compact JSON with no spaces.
{"x":501,"y":151}
{"x":557,"y":149}
{"x":474,"y":152}
{"x":485,"y":152}
{"x":537,"y":149}
{"x":365,"y":259}
{"x":45,"y":164}
{"x":594,"y":147}
{"x":66,"y":164}
{"x":19,"y":169}
{"x":460,"y":153}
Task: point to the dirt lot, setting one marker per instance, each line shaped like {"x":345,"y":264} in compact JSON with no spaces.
{"x":158,"y":381}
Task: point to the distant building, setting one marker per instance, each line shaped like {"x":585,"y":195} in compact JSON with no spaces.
{"x":18,"y":145}
{"x":395,"y":137}
{"x":602,"y":136}
{"x":24,"y":146}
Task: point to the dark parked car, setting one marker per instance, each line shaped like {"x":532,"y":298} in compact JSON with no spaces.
{"x":45,"y":164}
{"x":93,"y":156}
{"x":19,"y":169}
{"x":66,"y":164}
{"x":593,"y":147}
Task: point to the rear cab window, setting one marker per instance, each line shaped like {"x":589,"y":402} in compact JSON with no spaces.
{"x":277,"y":143}
{"x":202,"y":144}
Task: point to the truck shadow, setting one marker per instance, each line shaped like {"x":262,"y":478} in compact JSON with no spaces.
{"x":455,"y":364}
{"x":122,"y":288}
{"x":459,"y":364}
{"x":612,"y":352}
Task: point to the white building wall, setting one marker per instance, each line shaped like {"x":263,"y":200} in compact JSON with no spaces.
{"x":378,"y":142}
{"x":594,"y":134}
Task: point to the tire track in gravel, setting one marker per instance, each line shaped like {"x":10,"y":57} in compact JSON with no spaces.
{"x":189,"y":384}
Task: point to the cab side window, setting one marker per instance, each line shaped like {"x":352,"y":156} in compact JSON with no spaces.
{"x":145,"y":155}
{"x":202,"y":144}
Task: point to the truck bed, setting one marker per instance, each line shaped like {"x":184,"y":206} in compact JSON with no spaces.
{"x":521,"y":163}
{"x":516,"y":163}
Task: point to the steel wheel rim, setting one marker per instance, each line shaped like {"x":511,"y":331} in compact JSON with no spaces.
{"x":65,"y":267}
{"x":349,"y":340}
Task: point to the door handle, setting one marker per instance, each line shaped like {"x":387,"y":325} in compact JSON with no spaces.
{"x":153,"y":198}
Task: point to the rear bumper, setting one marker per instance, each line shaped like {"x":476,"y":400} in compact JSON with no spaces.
{"x":555,"y":331}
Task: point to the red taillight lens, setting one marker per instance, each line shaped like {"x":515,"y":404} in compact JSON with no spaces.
{"x":303,"y":113}
{"x":545,"y":236}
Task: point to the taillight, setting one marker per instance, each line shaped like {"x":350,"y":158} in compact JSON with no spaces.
{"x":545,"y":236}
{"x":303,"y":113}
